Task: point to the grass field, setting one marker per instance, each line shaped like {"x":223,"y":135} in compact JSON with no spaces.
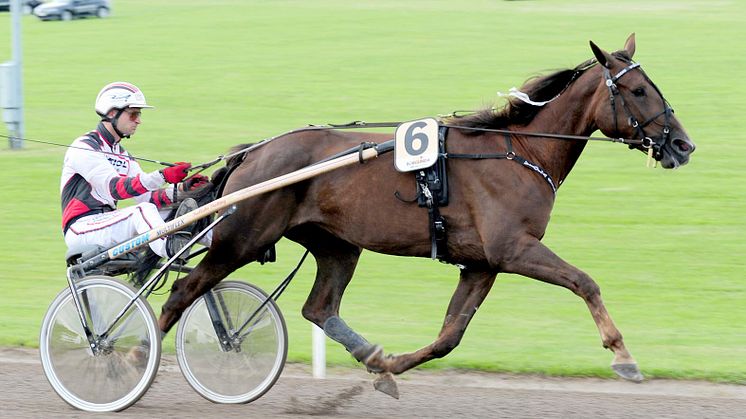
{"x":665,"y":247}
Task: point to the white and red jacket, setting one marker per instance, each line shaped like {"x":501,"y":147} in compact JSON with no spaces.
{"x":98,"y":172}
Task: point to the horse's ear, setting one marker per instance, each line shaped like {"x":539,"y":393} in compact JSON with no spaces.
{"x":602,"y":56}
{"x":629,"y":46}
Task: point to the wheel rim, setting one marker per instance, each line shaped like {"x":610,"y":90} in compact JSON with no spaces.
{"x":114,"y":379}
{"x":102,"y":12}
{"x":235,"y":376}
{"x":66,"y":16}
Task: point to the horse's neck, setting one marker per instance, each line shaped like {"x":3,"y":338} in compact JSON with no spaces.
{"x":568,"y":114}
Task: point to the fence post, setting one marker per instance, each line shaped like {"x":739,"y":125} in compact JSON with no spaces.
{"x":11,"y":82}
{"x":318,"y":344}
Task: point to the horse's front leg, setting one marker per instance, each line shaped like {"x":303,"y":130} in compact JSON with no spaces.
{"x":470,"y":293}
{"x":534,"y":260}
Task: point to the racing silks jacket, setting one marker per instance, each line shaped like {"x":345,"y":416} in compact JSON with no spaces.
{"x":98,"y":172}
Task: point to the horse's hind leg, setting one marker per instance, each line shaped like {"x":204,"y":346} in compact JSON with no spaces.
{"x":473,"y":287}
{"x":336,"y":261}
{"x":535,"y":260}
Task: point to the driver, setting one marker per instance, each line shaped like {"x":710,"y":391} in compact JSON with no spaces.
{"x":98,"y":172}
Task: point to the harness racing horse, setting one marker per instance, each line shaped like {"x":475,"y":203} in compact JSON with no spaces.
{"x":496,"y":218}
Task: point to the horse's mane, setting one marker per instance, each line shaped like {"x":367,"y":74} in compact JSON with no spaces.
{"x":539,"y":89}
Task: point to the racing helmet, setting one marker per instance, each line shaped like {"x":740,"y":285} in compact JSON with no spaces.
{"x":119,"y":95}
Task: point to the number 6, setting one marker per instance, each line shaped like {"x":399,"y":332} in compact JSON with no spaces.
{"x":410,"y":136}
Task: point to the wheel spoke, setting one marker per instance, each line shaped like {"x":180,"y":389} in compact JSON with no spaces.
{"x":252,"y":367}
{"x":122,"y":367}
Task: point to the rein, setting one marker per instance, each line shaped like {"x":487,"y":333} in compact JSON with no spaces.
{"x":363,"y":125}
{"x":645,"y":142}
{"x":131,"y":157}
{"x":356,"y":125}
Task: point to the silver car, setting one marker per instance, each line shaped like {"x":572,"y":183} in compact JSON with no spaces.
{"x":71,"y":9}
{"x":27,"y":6}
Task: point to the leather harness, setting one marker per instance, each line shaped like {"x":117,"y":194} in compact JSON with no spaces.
{"x":432,"y":188}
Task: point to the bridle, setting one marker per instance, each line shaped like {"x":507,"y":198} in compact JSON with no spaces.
{"x":653,"y":144}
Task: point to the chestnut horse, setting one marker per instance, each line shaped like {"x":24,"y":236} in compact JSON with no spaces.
{"x":496,"y":218}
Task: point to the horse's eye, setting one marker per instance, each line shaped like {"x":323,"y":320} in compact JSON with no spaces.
{"x":639,"y":92}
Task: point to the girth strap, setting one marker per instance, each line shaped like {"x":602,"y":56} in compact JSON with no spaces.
{"x":432,"y":185}
{"x":436,"y":221}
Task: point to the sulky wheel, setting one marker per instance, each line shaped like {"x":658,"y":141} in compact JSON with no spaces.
{"x":118,"y":369}
{"x":249,"y":362}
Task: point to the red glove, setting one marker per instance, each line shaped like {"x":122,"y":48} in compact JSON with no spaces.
{"x":177,"y":172}
{"x":195,"y":182}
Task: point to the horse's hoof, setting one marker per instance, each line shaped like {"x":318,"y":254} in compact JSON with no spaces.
{"x":137,"y":356}
{"x":628,"y":372}
{"x":386,"y":384}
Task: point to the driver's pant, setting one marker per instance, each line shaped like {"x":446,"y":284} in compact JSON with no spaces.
{"x":111,"y":228}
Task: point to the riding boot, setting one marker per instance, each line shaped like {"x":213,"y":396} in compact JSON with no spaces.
{"x":176,"y":241}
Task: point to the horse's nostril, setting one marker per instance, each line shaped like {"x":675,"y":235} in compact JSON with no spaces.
{"x":682,"y":145}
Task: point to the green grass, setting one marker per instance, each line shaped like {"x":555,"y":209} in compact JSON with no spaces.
{"x":665,"y":247}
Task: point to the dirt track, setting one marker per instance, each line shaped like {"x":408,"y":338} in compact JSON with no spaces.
{"x":25,"y":393}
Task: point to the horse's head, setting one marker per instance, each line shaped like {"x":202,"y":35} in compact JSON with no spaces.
{"x":630,"y":105}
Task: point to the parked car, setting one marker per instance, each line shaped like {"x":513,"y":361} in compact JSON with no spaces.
{"x":27,"y":5}
{"x":30,"y":5}
{"x":71,"y":9}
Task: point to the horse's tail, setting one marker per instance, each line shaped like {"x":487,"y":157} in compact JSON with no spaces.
{"x":148,"y":261}
{"x":220,"y":178}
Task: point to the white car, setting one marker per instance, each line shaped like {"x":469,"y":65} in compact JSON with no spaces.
{"x":71,"y":9}
{"x":27,"y":6}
